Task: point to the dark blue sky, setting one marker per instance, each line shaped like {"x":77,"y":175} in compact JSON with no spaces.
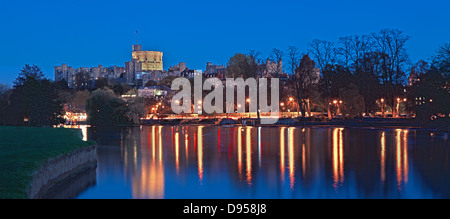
{"x":89,"y":33}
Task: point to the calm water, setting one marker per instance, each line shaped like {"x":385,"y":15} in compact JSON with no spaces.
{"x":195,"y":162}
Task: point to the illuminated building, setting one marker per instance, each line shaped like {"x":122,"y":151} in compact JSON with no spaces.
{"x":148,"y":63}
{"x":150,"y":60}
{"x":188,"y":73}
{"x":144,"y":66}
{"x":154,"y":91}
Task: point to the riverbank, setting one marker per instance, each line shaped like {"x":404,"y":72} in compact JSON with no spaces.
{"x":439,"y":124}
{"x":34,"y":161}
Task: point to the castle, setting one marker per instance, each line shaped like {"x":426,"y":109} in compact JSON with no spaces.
{"x":146,"y":66}
{"x":143,"y":67}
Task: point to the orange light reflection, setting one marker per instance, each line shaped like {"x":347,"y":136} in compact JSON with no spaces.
{"x":291,"y":158}
{"x":239,"y":149}
{"x":383,"y":157}
{"x":248,"y":147}
{"x":402,"y":157}
{"x":177,"y":152}
{"x":200,"y":153}
{"x":282,"y":145}
{"x":338,"y":157}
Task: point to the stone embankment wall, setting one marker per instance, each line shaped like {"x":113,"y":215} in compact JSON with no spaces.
{"x":57,"y":171}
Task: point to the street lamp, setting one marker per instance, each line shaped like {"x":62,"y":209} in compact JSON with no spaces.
{"x":335,"y":102}
{"x":339,"y":107}
{"x":398,"y":104}
{"x":382,"y":107}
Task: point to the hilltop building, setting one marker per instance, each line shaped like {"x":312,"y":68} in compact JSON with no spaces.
{"x":217,"y":71}
{"x":144,"y":66}
{"x":148,"y":63}
{"x":176,"y":70}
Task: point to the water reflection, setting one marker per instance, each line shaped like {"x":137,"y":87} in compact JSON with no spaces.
{"x":291,"y":158}
{"x":270,"y":162}
{"x":338,"y":157}
{"x":148,"y":179}
{"x":383,"y":157}
{"x":200,"y":153}
{"x":248,"y":152}
{"x":402,"y":157}
{"x":282,"y":146}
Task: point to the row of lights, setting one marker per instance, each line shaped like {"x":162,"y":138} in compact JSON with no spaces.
{"x":157,"y":106}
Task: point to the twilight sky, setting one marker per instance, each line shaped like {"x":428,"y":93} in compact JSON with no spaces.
{"x":89,"y":33}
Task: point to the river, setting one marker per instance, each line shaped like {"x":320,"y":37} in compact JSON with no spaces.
{"x":235,"y":162}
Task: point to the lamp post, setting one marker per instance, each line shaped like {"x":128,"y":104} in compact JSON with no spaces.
{"x":248,"y":103}
{"x":338,"y":105}
{"x":382,"y":107}
{"x":398,"y":105}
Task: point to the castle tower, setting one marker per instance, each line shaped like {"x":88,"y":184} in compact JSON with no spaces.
{"x":137,"y":47}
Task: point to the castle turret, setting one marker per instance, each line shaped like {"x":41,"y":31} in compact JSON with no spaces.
{"x":137,"y":47}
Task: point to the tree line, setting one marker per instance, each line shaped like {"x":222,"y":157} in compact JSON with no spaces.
{"x":361,"y":72}
{"x":356,"y":75}
{"x":35,"y":100}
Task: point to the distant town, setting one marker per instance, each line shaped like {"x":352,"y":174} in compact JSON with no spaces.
{"x":147,"y":66}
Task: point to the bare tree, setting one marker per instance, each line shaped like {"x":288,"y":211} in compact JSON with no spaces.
{"x":293,"y":58}
{"x":254,"y":60}
{"x":276,"y":56}
{"x":353,"y":49}
{"x":323,"y":52}
{"x":441,"y":59}
{"x":392,"y":43}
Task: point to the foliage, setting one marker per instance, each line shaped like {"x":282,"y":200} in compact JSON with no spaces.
{"x":27,"y":73}
{"x":104,"y":108}
{"x":33,"y":101}
{"x":241,"y":65}
{"x":167,"y":81}
{"x":151,"y":83}
{"x":118,"y":89}
{"x":375,"y":63}
{"x":136,"y":110}
{"x":441,"y":60}
{"x":434,"y":93}
{"x":101,"y":83}
{"x":353,"y":103}
{"x":304,"y":80}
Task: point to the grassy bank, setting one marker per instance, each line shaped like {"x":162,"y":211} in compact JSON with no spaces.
{"x":24,"y":149}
